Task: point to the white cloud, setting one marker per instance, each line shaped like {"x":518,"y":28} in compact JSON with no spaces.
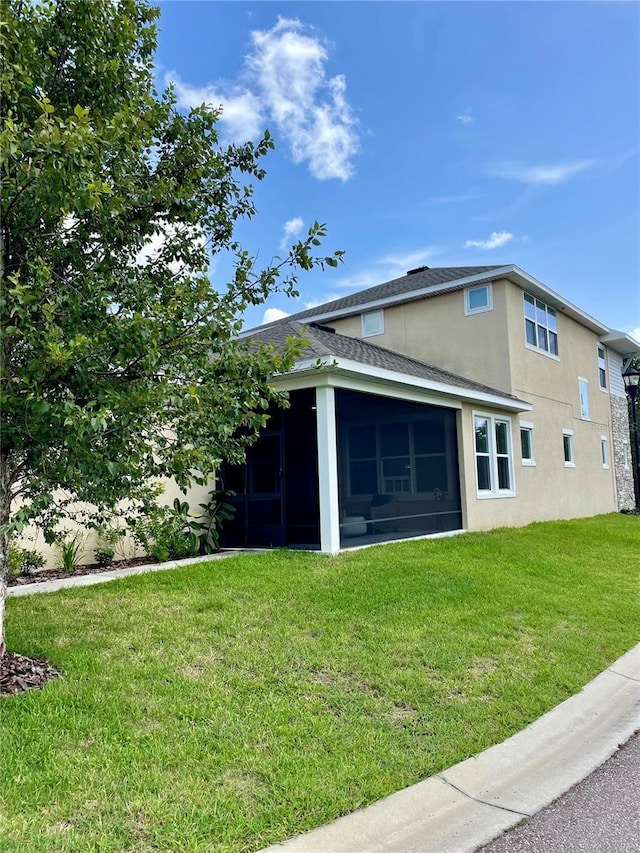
{"x":494,"y":241}
{"x":450,"y":199}
{"x":549,"y":174}
{"x":243,"y":117}
{"x":285,"y":83}
{"x":292,"y":228}
{"x":635,"y":333}
{"x":387,"y":268}
{"x":272,"y":314}
{"x":465,"y":116}
{"x":157,"y":243}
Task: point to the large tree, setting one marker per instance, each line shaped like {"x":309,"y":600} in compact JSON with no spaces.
{"x":119,"y":364}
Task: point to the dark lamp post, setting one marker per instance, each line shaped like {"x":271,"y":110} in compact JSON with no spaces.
{"x":631,"y":378}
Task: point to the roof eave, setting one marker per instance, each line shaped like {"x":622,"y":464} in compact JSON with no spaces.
{"x":621,"y":342}
{"x":379,"y":376}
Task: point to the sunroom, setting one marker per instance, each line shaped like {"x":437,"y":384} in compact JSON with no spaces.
{"x":368,"y":451}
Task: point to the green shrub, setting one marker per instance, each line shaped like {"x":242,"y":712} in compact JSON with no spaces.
{"x":14,"y":560}
{"x":70,"y":552}
{"x":164,"y":532}
{"x":31,"y":561}
{"x":104,"y":556}
{"x":23,"y":561}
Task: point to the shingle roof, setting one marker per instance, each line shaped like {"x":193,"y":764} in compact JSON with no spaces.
{"x":326,"y":344}
{"x":419,"y":280}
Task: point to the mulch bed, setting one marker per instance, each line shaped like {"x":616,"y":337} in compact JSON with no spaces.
{"x":18,"y":673}
{"x":89,"y":569}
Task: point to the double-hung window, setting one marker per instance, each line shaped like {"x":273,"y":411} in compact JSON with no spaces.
{"x":540,"y":325}
{"x":602,"y":368}
{"x":494,"y":457}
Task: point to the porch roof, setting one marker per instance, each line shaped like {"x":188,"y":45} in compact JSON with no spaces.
{"x":342,"y":353}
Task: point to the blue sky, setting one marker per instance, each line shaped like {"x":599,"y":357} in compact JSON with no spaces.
{"x":453,"y":133}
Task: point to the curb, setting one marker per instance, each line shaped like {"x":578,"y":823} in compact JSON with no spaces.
{"x":471,"y":803}
{"x":103,"y":577}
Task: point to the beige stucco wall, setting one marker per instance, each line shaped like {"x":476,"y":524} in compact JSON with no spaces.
{"x":32,"y":538}
{"x":549,"y":489}
{"x":436,"y":331}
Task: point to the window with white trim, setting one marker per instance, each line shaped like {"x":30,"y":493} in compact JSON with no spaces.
{"x":478,"y":299}
{"x":583,"y":391}
{"x":494,"y":458}
{"x":526,"y":443}
{"x":540,"y":325}
{"x":567,"y":446}
{"x":372,"y":323}
{"x":602,"y":368}
{"x":625,"y":455}
{"x":604,"y":451}
{"x":409,"y":457}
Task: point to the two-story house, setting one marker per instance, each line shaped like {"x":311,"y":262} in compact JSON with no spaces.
{"x":448,"y":399}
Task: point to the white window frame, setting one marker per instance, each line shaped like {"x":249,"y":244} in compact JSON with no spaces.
{"x":468,"y":310}
{"x":602,"y":367}
{"x":379,"y":329}
{"x":571,"y":462}
{"x":549,"y":312}
{"x":531,"y":460}
{"x":583,"y":385}
{"x":492,"y":454}
{"x":604,"y":451}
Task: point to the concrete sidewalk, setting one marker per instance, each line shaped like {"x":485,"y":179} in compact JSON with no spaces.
{"x":103,"y":577}
{"x":475,"y":801}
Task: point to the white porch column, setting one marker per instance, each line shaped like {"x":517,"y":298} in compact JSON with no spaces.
{"x":328,"y":470}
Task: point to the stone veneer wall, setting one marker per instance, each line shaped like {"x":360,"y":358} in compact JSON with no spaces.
{"x":620,"y":430}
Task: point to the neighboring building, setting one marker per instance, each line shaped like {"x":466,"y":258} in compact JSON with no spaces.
{"x":448,"y":399}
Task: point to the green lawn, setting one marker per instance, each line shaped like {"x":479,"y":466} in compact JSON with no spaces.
{"x":228,"y":705}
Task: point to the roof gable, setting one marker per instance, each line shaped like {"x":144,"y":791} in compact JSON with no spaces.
{"x":324,"y":344}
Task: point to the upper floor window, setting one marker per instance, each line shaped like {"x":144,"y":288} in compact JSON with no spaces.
{"x":541,"y":325}
{"x":372,"y":323}
{"x":583,"y":390}
{"x":602,"y":368}
{"x":494,"y":458}
{"x":478,"y":299}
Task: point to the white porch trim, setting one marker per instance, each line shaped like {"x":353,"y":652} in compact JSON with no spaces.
{"x":327,"y":470}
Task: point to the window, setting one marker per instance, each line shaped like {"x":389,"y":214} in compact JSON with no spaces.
{"x":604,"y":451}
{"x":526,"y":443}
{"x":625,"y":455}
{"x":478,"y":299}
{"x":567,"y":445}
{"x":541,"y":325}
{"x":400,"y":458}
{"x":602,"y":368}
{"x":494,"y":466}
{"x":583,"y":390}
{"x":372,"y":323}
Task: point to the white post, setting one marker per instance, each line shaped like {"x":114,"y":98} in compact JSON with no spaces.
{"x":328,"y":470}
